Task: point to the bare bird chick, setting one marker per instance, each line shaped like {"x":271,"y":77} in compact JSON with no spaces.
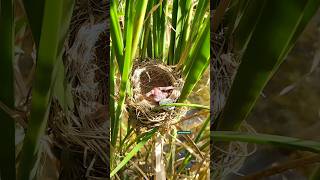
{"x":164,"y":95}
{"x":159,"y":93}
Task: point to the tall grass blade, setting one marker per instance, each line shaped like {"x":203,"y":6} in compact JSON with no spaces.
{"x":200,"y":63}
{"x":162,"y":28}
{"x":172,"y":44}
{"x":116,"y":34}
{"x":197,"y":22}
{"x":127,"y":66}
{"x":7,"y":134}
{"x":182,"y":28}
{"x":155,"y":26}
{"x":138,"y":24}
{"x":186,"y":105}
{"x":54,"y":25}
{"x":147,"y":34}
{"x":62,"y":89}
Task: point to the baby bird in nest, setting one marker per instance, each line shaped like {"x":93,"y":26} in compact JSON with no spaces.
{"x":163,"y":95}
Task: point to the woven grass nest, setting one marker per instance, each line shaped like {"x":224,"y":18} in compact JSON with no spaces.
{"x":143,"y":105}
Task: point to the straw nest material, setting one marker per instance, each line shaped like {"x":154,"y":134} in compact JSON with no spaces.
{"x":80,"y":130}
{"x":228,"y":158}
{"x":144,"y":104}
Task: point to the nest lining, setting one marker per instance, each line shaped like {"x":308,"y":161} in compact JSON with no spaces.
{"x":145,"y":111}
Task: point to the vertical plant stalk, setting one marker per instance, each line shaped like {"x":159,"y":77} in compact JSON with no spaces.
{"x":158,"y":149}
{"x":133,"y":24}
{"x":155,"y":30}
{"x":185,"y":30}
{"x":150,"y":50}
{"x":172,"y":44}
{"x":7,"y":124}
{"x":138,"y":24}
{"x":55,"y":18}
{"x":146,"y":36}
{"x":183,"y":18}
{"x":127,"y":66}
{"x":172,"y":155}
{"x":162,"y":29}
{"x":116,"y":34}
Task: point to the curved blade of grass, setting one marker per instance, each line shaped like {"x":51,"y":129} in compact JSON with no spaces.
{"x":311,"y":8}
{"x":150,"y":50}
{"x":52,"y":31}
{"x":133,"y":152}
{"x":127,"y":66}
{"x":186,"y":105}
{"x":270,"y":42}
{"x":116,"y":34}
{"x":201,"y":57}
{"x":193,"y":51}
{"x":275,"y":140}
{"x":7,"y":124}
{"x":202,"y":9}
